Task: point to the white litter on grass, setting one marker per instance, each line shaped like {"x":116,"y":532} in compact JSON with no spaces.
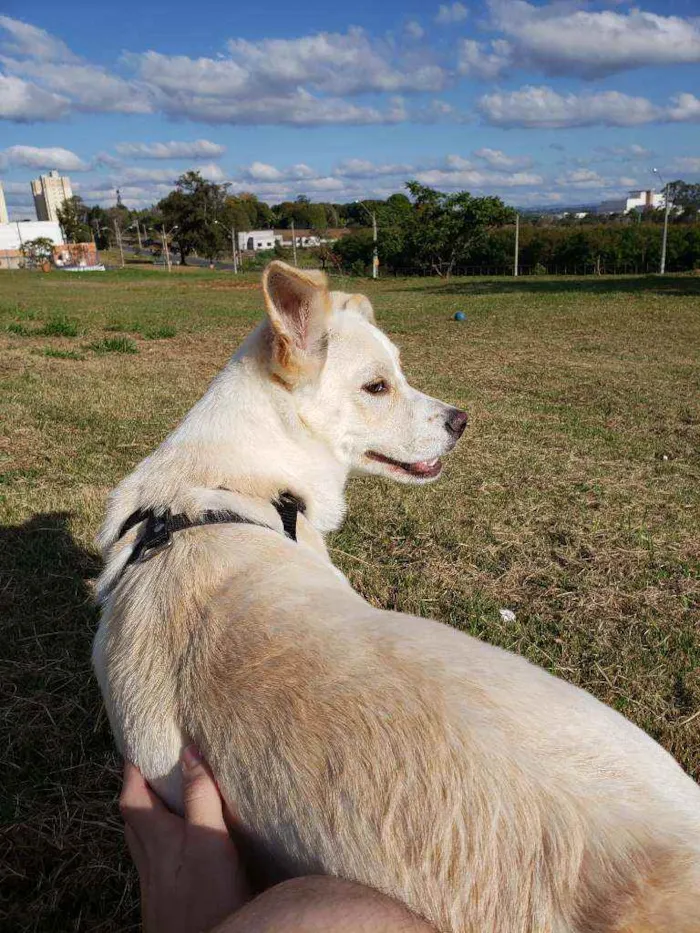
{"x":507,"y":615}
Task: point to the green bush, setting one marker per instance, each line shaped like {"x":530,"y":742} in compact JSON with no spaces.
{"x":59,"y":326}
{"x":114,"y":345}
{"x":160,"y":333}
{"x":19,"y":330}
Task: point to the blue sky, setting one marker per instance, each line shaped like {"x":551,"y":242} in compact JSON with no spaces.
{"x":537,"y":102}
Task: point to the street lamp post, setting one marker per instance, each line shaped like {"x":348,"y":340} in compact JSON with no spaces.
{"x":375,"y":250}
{"x":118,"y":233}
{"x":166,"y":251}
{"x":294,"y":243}
{"x":667,"y":208}
{"x":138,"y":232}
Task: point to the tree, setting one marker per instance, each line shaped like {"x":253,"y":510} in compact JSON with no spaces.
{"x":191,"y":212}
{"x":97,"y":220}
{"x":304,"y":214}
{"x":37,"y":251}
{"x":446,"y":229}
{"x":686,"y":197}
{"x":72,"y":216}
{"x":354,"y":251}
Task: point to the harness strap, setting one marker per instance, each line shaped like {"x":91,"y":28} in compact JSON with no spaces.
{"x":158,"y":533}
{"x":288,"y":508}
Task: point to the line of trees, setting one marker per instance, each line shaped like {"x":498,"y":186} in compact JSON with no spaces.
{"x":594,"y":247}
{"x":423,"y":232}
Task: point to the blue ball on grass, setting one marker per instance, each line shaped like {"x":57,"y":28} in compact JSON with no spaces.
{"x":460,"y":316}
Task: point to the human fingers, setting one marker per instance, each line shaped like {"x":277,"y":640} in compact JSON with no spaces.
{"x":140,"y":808}
{"x":203,"y":804}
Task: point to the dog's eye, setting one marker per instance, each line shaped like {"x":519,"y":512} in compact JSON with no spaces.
{"x":378,"y":387}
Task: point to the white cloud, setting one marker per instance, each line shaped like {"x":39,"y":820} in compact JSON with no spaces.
{"x":457,"y":173}
{"x":331,"y":63}
{"x":60,"y":81}
{"x":53,"y":157}
{"x":300,"y":108}
{"x":212,"y":172}
{"x":458,"y":163}
{"x":261,"y":171}
{"x":23,"y":39}
{"x":563,"y":39}
{"x":625,"y":153}
{"x":497,"y":159}
{"x":687,"y":164}
{"x":583,"y":178}
{"x":476,"y":179}
{"x":474,"y":61}
{"x":451,"y":13}
{"x":685,"y":109}
{"x":434,"y":112}
{"x":135,"y":175}
{"x":108,"y":160}
{"x":178,"y":74}
{"x":363,"y":168}
{"x":176,"y":149}
{"x":542,"y":107}
{"x":413,"y":29}
{"x":24,"y":102}
{"x":303,"y":81}
{"x":88,"y":87}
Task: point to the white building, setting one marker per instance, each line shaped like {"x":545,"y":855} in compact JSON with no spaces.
{"x":50,"y":191}
{"x":3,"y":207}
{"x":644,"y":200}
{"x":257,"y":239}
{"x":14,"y":235}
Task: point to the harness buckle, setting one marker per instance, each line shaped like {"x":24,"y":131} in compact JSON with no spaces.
{"x":157,"y":537}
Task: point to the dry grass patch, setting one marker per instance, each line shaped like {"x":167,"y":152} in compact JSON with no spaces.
{"x":572,"y":500}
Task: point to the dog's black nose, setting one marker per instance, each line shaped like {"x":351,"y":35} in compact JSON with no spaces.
{"x":456,"y":422}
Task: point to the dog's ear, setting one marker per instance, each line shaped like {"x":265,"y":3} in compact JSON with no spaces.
{"x":299,"y":308}
{"x":359,"y":303}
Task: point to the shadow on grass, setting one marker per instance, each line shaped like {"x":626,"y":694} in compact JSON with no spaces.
{"x":62,"y":858}
{"x":675,"y":285}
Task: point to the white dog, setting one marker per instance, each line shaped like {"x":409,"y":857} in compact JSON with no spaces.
{"x":378,"y":747}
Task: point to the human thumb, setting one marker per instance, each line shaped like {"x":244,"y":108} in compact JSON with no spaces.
{"x":203,"y":806}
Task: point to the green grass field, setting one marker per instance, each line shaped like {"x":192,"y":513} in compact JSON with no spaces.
{"x":573,"y":500}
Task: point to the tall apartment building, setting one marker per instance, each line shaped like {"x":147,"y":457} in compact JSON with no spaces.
{"x":4,"y":219}
{"x":50,"y":191}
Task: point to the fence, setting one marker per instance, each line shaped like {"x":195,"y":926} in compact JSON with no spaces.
{"x":540,"y":269}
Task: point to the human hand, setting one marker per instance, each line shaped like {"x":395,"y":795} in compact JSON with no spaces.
{"x":190,"y":872}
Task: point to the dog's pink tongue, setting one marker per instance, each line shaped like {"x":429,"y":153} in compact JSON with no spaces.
{"x":425,"y":467}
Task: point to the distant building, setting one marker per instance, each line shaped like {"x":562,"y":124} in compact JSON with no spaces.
{"x":256,"y":239}
{"x":14,"y":235}
{"x":3,"y":207}
{"x":309,"y":238}
{"x":50,"y":191}
{"x":644,"y":200}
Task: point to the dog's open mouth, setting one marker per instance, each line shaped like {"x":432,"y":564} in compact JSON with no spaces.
{"x":422,"y":469}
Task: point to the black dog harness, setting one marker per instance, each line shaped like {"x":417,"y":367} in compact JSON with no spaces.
{"x":158,"y":532}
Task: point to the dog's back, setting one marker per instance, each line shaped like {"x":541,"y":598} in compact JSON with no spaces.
{"x":398,"y":752}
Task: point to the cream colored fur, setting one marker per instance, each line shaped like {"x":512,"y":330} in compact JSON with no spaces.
{"x":378,"y":747}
